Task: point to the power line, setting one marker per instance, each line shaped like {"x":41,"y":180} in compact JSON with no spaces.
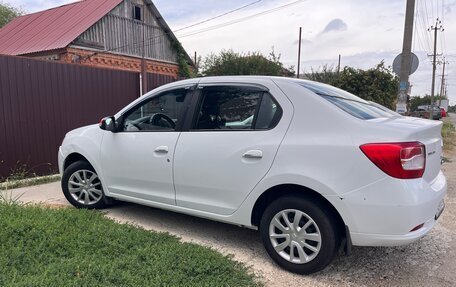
{"x":134,"y":44}
{"x":423,"y":29}
{"x":218,"y":16}
{"x":427,"y":23}
{"x":427,"y":14}
{"x":222,"y":25}
{"x":414,"y":30}
{"x":443,"y":11}
{"x":442,"y":44}
{"x":419,"y":31}
{"x":197,"y":32}
{"x":167,"y":33}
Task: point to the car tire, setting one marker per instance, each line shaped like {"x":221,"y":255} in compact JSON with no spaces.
{"x":310,"y":245}
{"x":82,"y":187}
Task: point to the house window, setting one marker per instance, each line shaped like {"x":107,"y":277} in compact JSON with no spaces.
{"x":137,"y":15}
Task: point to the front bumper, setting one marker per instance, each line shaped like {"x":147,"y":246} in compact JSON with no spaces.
{"x":61,"y":160}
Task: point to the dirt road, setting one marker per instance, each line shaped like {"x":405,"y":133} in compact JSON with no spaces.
{"x":429,"y":262}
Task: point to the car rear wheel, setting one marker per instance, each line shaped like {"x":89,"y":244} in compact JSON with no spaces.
{"x":299,"y":235}
{"x":82,"y":186}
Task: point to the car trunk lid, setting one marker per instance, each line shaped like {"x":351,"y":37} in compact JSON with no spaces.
{"x":425,"y":131}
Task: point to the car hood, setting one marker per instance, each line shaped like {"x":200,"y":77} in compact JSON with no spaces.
{"x":82,"y":131}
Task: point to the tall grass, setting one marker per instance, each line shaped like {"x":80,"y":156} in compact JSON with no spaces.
{"x":7,"y":196}
{"x":448,"y":135}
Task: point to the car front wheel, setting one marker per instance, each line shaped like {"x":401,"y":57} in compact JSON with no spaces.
{"x":299,"y":234}
{"x":82,"y":186}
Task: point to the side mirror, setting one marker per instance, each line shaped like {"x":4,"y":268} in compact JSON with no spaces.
{"x":108,"y":124}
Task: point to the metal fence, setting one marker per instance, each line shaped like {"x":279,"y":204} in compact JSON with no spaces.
{"x":157,"y":80}
{"x":41,"y":101}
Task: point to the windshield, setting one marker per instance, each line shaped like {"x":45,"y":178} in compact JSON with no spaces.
{"x":348,"y":102}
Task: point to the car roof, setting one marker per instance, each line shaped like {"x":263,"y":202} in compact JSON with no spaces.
{"x":253,"y":79}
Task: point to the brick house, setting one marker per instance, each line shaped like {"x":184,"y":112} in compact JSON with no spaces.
{"x":102,"y":33}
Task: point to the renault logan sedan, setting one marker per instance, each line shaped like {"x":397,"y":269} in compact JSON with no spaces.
{"x":312,"y":167}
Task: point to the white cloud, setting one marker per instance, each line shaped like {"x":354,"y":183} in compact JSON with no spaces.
{"x":335,"y":25}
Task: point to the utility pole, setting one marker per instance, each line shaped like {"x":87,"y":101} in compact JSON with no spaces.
{"x":299,"y":52}
{"x":338,"y":66}
{"x":143,"y":58}
{"x":196,"y":65}
{"x":436,"y":28}
{"x":442,"y":85}
{"x":406,"y":61}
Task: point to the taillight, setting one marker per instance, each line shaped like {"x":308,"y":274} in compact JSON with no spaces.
{"x":399,"y":160}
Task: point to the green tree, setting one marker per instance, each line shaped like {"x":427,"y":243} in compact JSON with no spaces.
{"x":8,"y":13}
{"x":228,"y":62}
{"x":421,"y":101}
{"x":377,"y":84}
{"x":326,"y":74}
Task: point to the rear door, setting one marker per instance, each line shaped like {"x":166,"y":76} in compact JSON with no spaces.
{"x":231,"y":141}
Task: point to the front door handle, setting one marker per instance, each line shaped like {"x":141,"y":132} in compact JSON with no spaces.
{"x":253,"y":154}
{"x":162,"y":149}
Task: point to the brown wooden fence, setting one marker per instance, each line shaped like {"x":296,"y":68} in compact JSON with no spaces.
{"x":41,"y":101}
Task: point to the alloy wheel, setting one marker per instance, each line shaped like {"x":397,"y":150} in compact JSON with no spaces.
{"x":295,"y":236}
{"x":85,"y":187}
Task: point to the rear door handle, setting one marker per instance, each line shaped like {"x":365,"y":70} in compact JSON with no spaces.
{"x":253,"y":154}
{"x":162,"y":149}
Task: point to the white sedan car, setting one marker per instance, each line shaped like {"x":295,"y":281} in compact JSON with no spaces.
{"x":312,"y":167}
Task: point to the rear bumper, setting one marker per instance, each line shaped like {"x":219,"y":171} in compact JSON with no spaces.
{"x":385,"y":212}
{"x":365,"y":239}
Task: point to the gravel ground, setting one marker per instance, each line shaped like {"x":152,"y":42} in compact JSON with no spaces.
{"x":429,"y":262}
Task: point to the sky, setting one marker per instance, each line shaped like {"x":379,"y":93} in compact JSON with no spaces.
{"x":362,"y":32}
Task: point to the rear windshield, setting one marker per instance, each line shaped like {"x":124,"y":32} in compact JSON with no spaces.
{"x":349,"y":103}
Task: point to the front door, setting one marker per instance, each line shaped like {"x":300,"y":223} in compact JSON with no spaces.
{"x":231,"y":145}
{"x":137,"y":161}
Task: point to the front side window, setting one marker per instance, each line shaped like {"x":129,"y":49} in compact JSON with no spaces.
{"x":236,"y":108}
{"x":160,"y":113}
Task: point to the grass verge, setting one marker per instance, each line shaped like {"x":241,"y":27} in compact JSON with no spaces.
{"x":17,"y":183}
{"x":71,"y":247}
{"x":448,"y":135}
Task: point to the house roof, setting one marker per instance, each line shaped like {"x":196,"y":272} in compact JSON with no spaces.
{"x":52,"y":29}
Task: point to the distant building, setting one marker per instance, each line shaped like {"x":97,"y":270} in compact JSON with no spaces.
{"x":100,"y":33}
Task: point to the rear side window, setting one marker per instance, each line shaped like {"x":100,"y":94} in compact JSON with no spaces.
{"x":348,"y":102}
{"x":236,"y":108}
